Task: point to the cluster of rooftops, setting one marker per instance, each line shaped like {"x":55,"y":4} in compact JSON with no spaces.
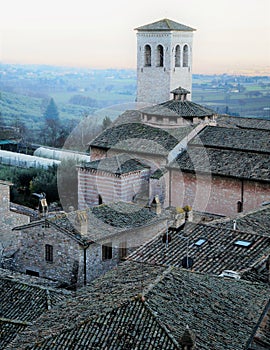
{"x":149,"y":299}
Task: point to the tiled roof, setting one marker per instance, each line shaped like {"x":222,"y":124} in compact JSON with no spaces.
{"x":180,"y":91}
{"x":123,"y":215}
{"x":246,"y":123}
{"x":137,"y":137}
{"x":231,"y":163}
{"x":178,"y":108}
{"x":256,"y":221}
{"x":103,"y":221}
{"x":233,"y":138}
{"x":261,"y":339}
{"x":131,"y":326}
{"x":22,"y":302}
{"x":118,"y":165}
{"x":222,"y":313}
{"x":165,"y":25}
{"x":212,"y":249}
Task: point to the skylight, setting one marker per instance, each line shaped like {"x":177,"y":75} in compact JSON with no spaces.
{"x":200,"y":242}
{"x":243,"y":243}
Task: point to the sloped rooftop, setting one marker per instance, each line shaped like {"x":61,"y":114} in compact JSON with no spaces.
{"x":223,"y":162}
{"x":177,"y":108}
{"x":233,"y":138}
{"x":131,"y":326}
{"x":256,"y":221}
{"x":118,"y":165}
{"x":104,"y":221}
{"x":246,"y":123}
{"x":222,"y":313}
{"x":165,"y":25}
{"x":138,"y":137}
{"x":22,"y":301}
{"x":213,"y":249}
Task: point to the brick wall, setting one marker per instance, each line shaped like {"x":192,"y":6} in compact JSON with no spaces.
{"x":218,"y":195}
{"x":110,"y":187}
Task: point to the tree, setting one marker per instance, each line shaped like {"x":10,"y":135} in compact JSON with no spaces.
{"x":52,"y":122}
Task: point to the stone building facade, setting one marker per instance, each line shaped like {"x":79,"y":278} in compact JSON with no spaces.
{"x":77,"y":247}
{"x":164,"y":60}
{"x":8,"y":220}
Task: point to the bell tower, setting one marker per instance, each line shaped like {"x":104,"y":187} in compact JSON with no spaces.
{"x":164,"y":60}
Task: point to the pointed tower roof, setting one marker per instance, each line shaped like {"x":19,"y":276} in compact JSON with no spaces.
{"x":165,"y":25}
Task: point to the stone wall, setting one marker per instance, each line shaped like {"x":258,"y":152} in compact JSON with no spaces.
{"x":155,"y":83}
{"x":8,"y":220}
{"x":68,"y":263}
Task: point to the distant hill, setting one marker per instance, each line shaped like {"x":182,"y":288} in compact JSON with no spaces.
{"x":25,"y":90}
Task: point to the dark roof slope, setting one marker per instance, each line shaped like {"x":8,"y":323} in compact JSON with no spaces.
{"x":165,"y":25}
{"x":137,"y":137}
{"x":246,"y":123}
{"x":118,"y":165}
{"x":131,"y":326}
{"x":233,"y":138}
{"x":230,"y":163}
{"x":222,"y":313}
{"x":184,"y":109}
{"x":212,"y":249}
{"x":256,"y":221}
{"x":102,"y":296}
{"x":21,"y":303}
{"x":123,"y":215}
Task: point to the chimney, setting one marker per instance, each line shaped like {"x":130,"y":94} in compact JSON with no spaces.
{"x":155,"y":205}
{"x":187,"y":341}
{"x":234,"y":225}
{"x":81,"y":222}
{"x":43,"y":207}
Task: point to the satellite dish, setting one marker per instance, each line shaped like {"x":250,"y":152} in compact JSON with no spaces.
{"x":187,"y":262}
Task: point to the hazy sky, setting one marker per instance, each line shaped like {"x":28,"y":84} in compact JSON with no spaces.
{"x":232,"y":36}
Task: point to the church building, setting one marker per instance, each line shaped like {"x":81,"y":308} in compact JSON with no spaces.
{"x":173,"y":148}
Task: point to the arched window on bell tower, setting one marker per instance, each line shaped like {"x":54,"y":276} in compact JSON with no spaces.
{"x":160,"y":56}
{"x":177,"y":56}
{"x":147,"y":56}
{"x":185,"y":56}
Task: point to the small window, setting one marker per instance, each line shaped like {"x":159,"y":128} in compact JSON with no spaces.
{"x":147,"y":56}
{"x":185,"y":56}
{"x":160,"y":54}
{"x":49,"y":253}
{"x":177,"y":56}
{"x":107,"y":251}
{"x":200,"y":242}
{"x":243,"y":243}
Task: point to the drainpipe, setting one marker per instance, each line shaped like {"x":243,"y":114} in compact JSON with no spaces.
{"x":84,"y":265}
{"x":170,"y":188}
{"x":242,"y":194}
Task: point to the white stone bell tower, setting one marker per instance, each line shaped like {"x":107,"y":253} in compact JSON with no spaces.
{"x":164,"y":60}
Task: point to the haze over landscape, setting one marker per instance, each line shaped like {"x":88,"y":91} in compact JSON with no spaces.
{"x":232,"y":36}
